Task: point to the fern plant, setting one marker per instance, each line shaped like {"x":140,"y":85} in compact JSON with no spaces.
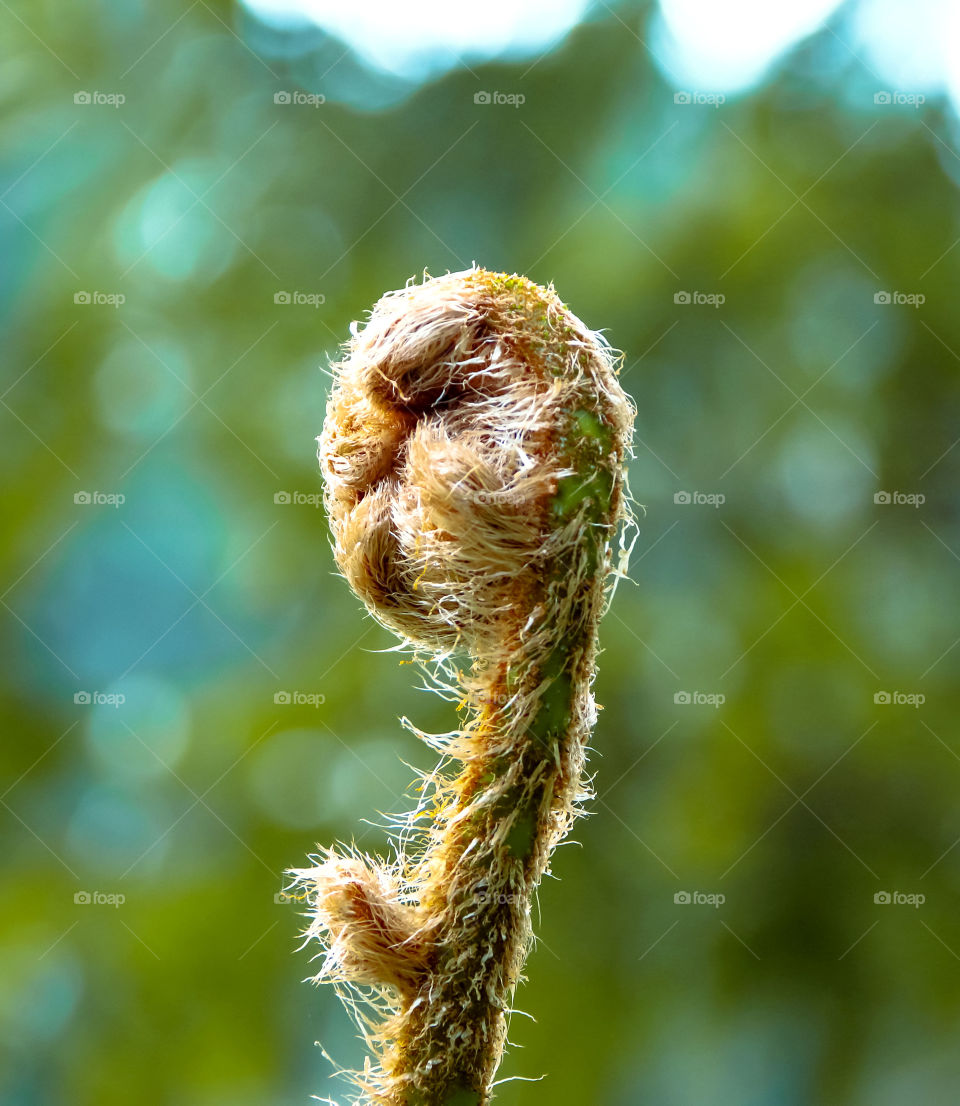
{"x":473,"y":456}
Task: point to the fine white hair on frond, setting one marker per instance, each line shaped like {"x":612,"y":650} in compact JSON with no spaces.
{"x":472,"y":456}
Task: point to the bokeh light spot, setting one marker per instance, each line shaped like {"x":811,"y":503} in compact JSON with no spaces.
{"x":423,"y":39}
{"x":139,"y":395}
{"x":144,"y":736}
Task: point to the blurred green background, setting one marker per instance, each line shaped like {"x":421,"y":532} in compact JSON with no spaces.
{"x":197,"y":200}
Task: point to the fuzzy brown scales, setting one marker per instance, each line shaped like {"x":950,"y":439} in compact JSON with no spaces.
{"x":472,"y":455}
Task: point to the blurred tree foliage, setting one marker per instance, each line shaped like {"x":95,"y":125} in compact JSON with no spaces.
{"x":203,"y":598}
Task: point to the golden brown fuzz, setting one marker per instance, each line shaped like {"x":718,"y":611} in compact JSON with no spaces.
{"x":473,"y":457}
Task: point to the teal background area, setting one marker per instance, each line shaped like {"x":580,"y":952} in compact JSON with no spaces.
{"x":797,"y":597}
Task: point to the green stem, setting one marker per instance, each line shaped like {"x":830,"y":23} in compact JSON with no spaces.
{"x":478,"y":959}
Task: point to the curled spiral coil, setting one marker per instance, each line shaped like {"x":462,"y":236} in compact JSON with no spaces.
{"x":445,"y":444}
